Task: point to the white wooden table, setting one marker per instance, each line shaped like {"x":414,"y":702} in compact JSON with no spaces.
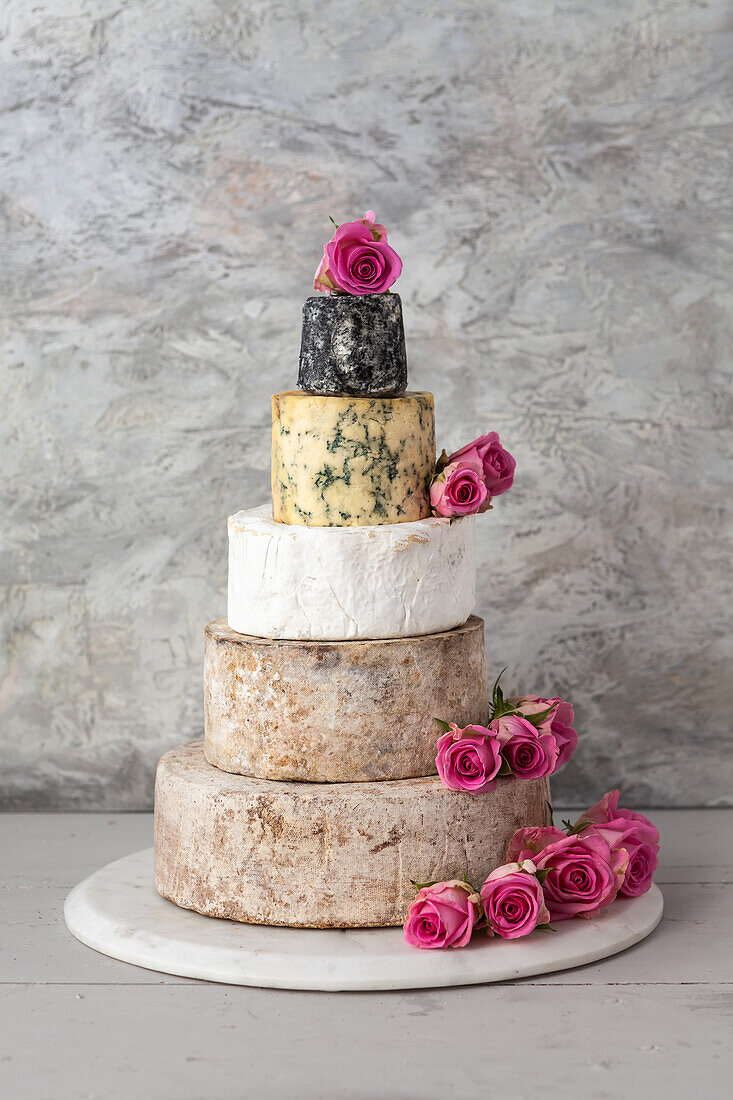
{"x":654,"y":1021}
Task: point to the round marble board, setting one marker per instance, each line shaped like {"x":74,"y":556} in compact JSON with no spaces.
{"x":117,"y":911}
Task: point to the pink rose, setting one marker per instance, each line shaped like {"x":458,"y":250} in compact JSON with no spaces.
{"x":630,"y":831}
{"x":459,"y":490}
{"x":468,"y":759}
{"x":585,"y":874}
{"x":530,"y":753}
{"x":358,"y":259}
{"x":443,"y":915}
{"x":642,"y":856}
{"x":559,"y":722}
{"x":513,"y":901}
{"x":497,"y":464}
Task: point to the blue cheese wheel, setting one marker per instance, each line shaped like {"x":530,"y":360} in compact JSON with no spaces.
{"x":353,"y":344}
{"x":351,"y":461}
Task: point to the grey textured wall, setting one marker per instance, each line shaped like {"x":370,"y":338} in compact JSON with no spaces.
{"x":557,"y":178}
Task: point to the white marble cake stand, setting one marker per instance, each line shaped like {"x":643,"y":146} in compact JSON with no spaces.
{"x":117,"y":911}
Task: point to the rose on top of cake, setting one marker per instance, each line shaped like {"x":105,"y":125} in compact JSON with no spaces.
{"x":358,"y":260}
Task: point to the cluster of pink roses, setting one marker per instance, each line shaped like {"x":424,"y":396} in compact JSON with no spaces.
{"x":358,"y":260}
{"x":466,"y":481}
{"x":549,"y":876}
{"x":528,"y":737}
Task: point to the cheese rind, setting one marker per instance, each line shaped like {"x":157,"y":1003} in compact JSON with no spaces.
{"x":338,"y":711}
{"x":324,"y":855}
{"x":329,"y":584}
{"x":351,"y":461}
{"x":353,"y":343}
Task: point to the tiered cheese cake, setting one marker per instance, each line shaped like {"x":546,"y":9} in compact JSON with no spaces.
{"x":313,"y":799}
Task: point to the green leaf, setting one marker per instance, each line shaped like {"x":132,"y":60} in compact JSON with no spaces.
{"x":505,"y":710}
{"x":423,"y":885}
{"x":538,"y":719}
{"x":545,"y":928}
{"x":541,"y":874}
{"x":504,"y":769}
{"x":498,"y":705}
{"x":332,"y":221}
{"x":458,"y":878}
{"x":445,"y":726}
{"x":573,"y":830}
{"x":441,"y":464}
{"x":496,"y":683}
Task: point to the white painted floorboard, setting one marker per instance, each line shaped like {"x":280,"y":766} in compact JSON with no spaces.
{"x":74,"y":1024}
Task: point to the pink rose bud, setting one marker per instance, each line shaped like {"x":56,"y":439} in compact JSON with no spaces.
{"x":559,"y":722}
{"x":513,"y":901}
{"x":468,"y":759}
{"x":358,"y":260}
{"x":443,"y":915}
{"x":498,"y":465}
{"x":529,"y":753}
{"x":458,"y":491}
{"x":585,"y":875}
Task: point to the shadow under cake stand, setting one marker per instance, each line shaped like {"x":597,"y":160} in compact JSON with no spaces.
{"x":118,"y":912}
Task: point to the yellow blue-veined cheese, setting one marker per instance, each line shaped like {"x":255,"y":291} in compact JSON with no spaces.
{"x":351,"y":461}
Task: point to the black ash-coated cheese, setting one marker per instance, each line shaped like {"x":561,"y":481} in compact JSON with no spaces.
{"x":353,"y":344}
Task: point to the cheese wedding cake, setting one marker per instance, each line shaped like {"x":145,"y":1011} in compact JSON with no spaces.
{"x":353,"y":747}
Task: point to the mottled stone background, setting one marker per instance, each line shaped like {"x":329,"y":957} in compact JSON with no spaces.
{"x":557,"y":178}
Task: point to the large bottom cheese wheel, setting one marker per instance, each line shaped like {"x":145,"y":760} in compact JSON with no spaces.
{"x":323,"y":855}
{"x":339,"y":711}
